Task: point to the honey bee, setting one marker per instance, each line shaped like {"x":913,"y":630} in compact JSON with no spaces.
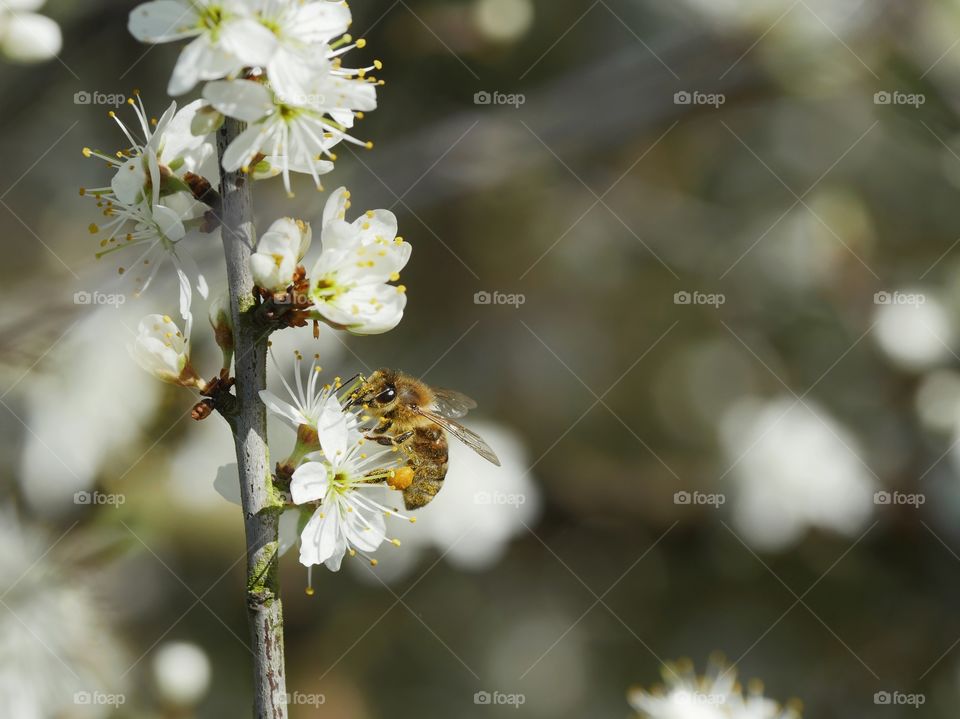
{"x":415,"y":418}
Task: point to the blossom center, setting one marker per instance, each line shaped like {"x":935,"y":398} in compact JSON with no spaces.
{"x":210,"y":18}
{"x":326,"y":288}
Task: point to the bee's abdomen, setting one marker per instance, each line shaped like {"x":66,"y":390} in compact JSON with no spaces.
{"x":428,"y":458}
{"x":429,"y":444}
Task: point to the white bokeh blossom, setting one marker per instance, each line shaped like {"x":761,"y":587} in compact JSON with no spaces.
{"x":481,"y":509}
{"x":714,"y":695}
{"x":56,"y":405}
{"x":794,"y":468}
{"x":181,"y":672}
{"x":53,"y":609}
{"x":914,"y":329}
{"x":25,"y":35}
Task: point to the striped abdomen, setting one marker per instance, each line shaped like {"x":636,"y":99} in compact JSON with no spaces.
{"x":428,"y":459}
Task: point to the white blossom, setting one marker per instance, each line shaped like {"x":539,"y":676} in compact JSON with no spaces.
{"x":147,"y":205}
{"x":293,"y":134}
{"x":345,"y":478}
{"x":226,"y":37}
{"x":349,"y":281}
{"x":161,"y":349}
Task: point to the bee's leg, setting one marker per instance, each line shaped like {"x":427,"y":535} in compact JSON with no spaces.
{"x":392,"y":440}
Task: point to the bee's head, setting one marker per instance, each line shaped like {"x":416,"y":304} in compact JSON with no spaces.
{"x":379,"y":392}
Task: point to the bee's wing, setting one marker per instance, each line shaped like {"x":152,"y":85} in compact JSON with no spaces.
{"x":471,"y":439}
{"x":452,"y":404}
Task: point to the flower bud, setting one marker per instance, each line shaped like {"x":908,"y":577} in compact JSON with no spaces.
{"x":222,"y":323}
{"x":163,"y":351}
{"x":205,"y":121}
{"x":279,"y":252}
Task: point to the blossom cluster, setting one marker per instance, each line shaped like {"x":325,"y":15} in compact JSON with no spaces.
{"x":349,"y":286}
{"x":276,"y":65}
{"x":275,"y":68}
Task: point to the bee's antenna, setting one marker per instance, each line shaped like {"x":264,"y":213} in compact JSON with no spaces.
{"x":351,"y":386}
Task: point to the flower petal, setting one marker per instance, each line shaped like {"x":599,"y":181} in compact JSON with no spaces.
{"x":248,"y":40}
{"x":201,"y":60}
{"x":365,"y":531}
{"x":288,"y":530}
{"x":243,"y":99}
{"x":227,"y":483}
{"x":163,"y":21}
{"x":332,"y":429}
{"x":310,"y":482}
{"x":242,"y":150}
{"x":282,"y":409}
{"x":336,"y":207}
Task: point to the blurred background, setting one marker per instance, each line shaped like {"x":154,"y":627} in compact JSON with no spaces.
{"x":698,"y":263}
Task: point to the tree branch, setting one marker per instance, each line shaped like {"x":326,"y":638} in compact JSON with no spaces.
{"x":261,"y":507}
